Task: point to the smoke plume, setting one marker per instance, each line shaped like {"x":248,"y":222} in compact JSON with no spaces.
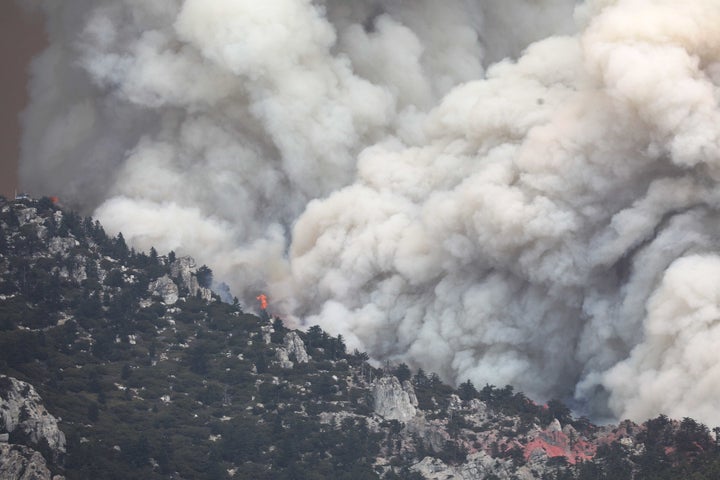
{"x":507,"y":192}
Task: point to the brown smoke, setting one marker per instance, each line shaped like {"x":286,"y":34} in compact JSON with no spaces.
{"x":21,"y":37}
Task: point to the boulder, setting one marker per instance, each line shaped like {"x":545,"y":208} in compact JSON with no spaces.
{"x":165,"y":288}
{"x":283,"y":359}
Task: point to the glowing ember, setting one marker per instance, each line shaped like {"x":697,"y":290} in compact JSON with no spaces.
{"x":262,"y":298}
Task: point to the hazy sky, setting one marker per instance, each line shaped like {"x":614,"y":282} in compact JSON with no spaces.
{"x":20,"y":38}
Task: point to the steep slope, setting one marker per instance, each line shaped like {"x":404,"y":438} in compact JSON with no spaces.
{"x":151,"y":376}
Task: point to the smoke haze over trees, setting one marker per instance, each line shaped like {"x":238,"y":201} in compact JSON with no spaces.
{"x":516,"y":193}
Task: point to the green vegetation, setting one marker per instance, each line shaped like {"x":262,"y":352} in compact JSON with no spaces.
{"x":194,"y":389}
{"x":145,"y":390}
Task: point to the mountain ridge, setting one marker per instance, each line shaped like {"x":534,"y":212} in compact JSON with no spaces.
{"x":153,"y":376}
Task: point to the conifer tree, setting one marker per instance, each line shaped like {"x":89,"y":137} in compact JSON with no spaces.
{"x":3,"y":241}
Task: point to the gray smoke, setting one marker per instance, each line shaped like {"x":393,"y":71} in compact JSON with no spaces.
{"x":511,"y":192}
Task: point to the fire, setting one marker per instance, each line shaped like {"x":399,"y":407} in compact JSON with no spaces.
{"x":262,"y":298}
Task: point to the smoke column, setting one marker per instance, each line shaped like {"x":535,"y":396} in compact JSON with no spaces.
{"x":507,"y":192}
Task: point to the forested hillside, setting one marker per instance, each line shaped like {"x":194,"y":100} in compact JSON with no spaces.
{"x":150,"y":375}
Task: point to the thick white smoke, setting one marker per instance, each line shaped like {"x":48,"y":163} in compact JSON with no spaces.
{"x":511,"y":192}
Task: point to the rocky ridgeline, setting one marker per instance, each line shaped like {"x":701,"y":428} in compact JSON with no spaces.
{"x":59,"y":233}
{"x":138,"y":354}
{"x":493,"y":442}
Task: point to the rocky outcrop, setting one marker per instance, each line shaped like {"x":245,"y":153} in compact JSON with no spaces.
{"x":18,"y":462}
{"x":435,"y":469}
{"x":183,"y":269}
{"x":292,"y":345}
{"x":432,"y":432}
{"x":295,"y":346}
{"x":555,"y":441}
{"x":408,"y":388}
{"x":182,"y":276}
{"x":61,"y":245}
{"x":283,"y":359}
{"x":392,"y":401}
{"x":28,"y":215}
{"x":478,"y":465}
{"x":23,"y":415}
{"x":164,"y":287}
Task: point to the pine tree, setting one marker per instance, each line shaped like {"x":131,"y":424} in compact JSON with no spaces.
{"x":204,"y":276}
{"x":402,"y":372}
{"x":3,"y":241}
{"x":420,"y":379}
{"x":314,"y":336}
{"x":121,"y":250}
{"x":467,"y":391}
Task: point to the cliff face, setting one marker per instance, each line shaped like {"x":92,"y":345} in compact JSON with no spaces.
{"x":23,"y":415}
{"x":392,"y":401}
{"x":26,"y":423}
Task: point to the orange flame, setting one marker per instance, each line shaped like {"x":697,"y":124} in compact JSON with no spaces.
{"x":263,"y":301}
{"x":54,"y":199}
